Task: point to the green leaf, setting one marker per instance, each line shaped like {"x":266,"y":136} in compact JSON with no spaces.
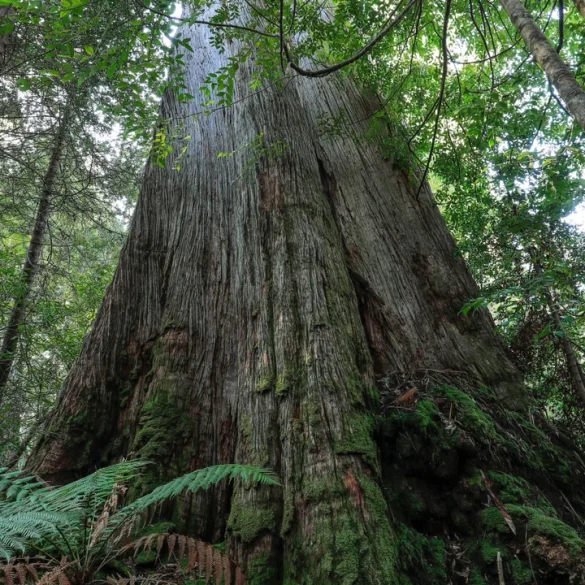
{"x":6,"y":29}
{"x":89,"y":50}
{"x":23,"y":84}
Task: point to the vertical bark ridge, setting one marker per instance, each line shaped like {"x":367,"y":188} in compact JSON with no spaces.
{"x":375,"y":323}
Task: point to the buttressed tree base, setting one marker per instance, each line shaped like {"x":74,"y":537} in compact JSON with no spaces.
{"x":294,"y":304}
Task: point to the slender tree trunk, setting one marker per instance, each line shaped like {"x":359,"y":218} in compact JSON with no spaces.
{"x":572,"y":362}
{"x":257,"y":302}
{"x":33,"y":255}
{"x":573,"y":365}
{"x":557,"y":71}
{"x":5,"y":49}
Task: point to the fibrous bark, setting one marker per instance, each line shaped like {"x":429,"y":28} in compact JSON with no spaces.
{"x":557,"y":71}
{"x":259,"y":299}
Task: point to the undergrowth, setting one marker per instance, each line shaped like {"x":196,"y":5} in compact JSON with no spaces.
{"x":81,"y":533}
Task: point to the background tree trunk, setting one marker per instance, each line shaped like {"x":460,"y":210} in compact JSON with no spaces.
{"x":557,"y":71}
{"x":259,"y":299}
{"x":573,"y":365}
{"x":5,"y":39}
{"x":33,"y":254}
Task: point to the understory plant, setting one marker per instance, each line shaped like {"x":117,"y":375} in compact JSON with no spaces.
{"x":81,"y":533}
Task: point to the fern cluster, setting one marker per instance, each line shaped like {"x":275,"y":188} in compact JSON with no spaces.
{"x":31,"y":511}
{"x":83,"y":522}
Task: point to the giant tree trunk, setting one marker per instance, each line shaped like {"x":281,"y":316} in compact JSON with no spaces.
{"x":258,"y":300}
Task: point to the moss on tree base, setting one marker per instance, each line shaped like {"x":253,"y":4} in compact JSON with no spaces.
{"x":469,"y":479}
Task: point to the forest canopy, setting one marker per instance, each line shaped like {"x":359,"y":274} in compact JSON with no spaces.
{"x":109,"y":117}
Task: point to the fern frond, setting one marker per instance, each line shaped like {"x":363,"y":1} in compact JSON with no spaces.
{"x":56,"y":576}
{"x":209,"y":561}
{"x":10,"y":544}
{"x":32,"y":510}
{"x":201,"y":479}
{"x":14,"y":485}
{"x":19,"y":529}
{"x":95,"y":488}
{"x":21,"y":573}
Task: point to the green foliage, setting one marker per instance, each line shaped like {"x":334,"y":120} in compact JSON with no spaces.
{"x":31,"y":511}
{"x":202,"y":479}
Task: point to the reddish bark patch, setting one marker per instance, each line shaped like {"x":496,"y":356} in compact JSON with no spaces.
{"x":352,"y":484}
{"x":176,"y":340}
{"x":271,"y":196}
{"x":353,"y":253}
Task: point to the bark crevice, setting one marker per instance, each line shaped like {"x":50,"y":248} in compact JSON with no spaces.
{"x":375,"y":321}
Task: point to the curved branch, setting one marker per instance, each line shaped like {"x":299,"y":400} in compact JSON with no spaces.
{"x":363,"y":51}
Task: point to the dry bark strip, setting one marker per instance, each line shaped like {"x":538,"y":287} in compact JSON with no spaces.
{"x":499,"y":505}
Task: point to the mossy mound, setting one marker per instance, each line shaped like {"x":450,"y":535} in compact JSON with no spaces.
{"x":472,"y":483}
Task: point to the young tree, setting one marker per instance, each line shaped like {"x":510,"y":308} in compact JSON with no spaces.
{"x":264,"y":292}
{"x":557,"y":71}
{"x":33,"y":253}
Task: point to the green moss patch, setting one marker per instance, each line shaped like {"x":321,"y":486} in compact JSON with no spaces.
{"x":449,"y":451}
{"x":358,"y":439}
{"x":248,"y":520}
{"x":421,"y":559}
{"x":537,"y":523}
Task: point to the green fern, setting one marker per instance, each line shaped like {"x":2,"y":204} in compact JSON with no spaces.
{"x":15,"y":486}
{"x":37,"y":517}
{"x":31,"y":511}
{"x":201,"y":479}
{"x":90,"y":492}
{"x":18,"y":529}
